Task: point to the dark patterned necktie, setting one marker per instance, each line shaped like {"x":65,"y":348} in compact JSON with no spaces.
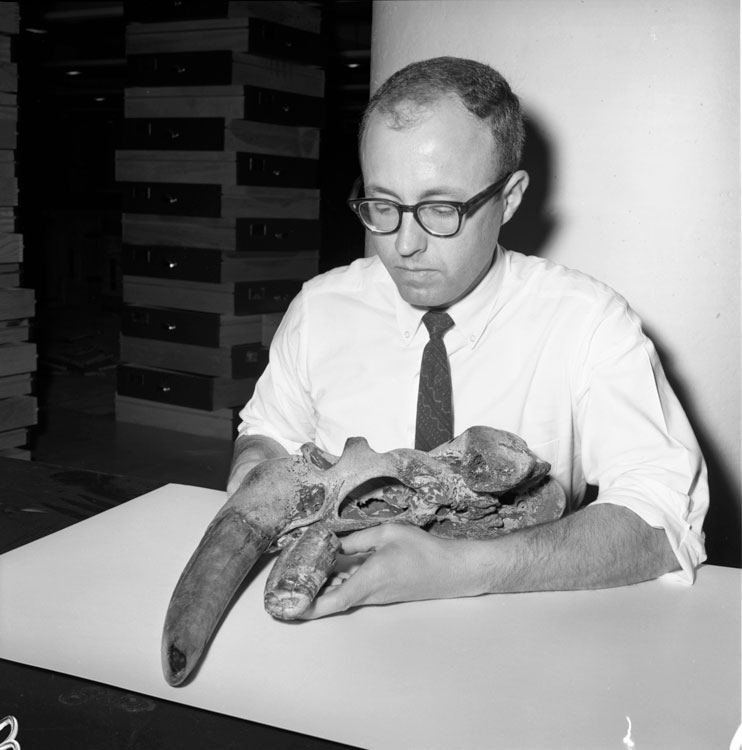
{"x":434,"y":402}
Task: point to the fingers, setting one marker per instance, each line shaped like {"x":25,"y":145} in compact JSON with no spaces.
{"x":359,"y":542}
{"x":348,"y":590}
{"x":368,"y":540}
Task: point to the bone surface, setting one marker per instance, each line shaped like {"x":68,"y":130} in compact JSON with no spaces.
{"x":483,"y":483}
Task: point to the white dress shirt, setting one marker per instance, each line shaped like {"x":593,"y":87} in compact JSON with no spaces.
{"x":537,"y":349}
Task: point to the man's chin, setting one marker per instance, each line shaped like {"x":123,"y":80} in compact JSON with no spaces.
{"x":423,"y":288}
{"x":423,"y":297}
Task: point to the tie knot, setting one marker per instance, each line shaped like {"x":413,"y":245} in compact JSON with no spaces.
{"x":437,"y":322}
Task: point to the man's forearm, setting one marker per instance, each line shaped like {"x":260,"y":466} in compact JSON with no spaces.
{"x":598,"y":547}
{"x":601,"y":546}
{"x":250,"y":450}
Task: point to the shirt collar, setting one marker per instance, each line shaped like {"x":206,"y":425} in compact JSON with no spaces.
{"x":470,"y":314}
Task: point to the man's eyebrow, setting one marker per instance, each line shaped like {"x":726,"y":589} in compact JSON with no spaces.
{"x":376,"y":189}
{"x":441,"y":190}
{"x":433,"y":192}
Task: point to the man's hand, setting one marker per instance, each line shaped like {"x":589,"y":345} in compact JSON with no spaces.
{"x":600,"y":546}
{"x":398,"y":563}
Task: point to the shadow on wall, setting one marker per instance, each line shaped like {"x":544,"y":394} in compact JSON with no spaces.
{"x":530,"y":231}
{"x":533,"y":226}
{"x":724,"y":519}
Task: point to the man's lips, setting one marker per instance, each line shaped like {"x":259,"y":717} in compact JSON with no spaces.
{"x":405,"y":269}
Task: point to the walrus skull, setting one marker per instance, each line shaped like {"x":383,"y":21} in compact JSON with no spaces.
{"x":483,"y":483}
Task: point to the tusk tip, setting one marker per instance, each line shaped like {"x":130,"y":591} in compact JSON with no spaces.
{"x":285,"y":606}
{"x":176,"y":668}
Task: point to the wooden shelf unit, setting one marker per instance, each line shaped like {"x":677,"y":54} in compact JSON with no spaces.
{"x":18,"y":404}
{"x":218,"y":167}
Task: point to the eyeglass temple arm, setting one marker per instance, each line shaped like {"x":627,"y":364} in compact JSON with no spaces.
{"x":485,"y":195}
{"x":356,"y":188}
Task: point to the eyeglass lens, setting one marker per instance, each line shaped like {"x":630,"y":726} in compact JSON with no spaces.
{"x":385,"y":216}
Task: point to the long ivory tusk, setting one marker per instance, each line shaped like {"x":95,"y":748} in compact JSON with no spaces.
{"x":229,"y":549}
{"x":244,"y":528}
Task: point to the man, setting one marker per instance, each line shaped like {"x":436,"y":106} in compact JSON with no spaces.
{"x":537,"y":349}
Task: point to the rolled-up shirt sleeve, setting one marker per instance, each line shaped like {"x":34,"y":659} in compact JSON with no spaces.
{"x":637,"y":445}
{"x":280,"y":407}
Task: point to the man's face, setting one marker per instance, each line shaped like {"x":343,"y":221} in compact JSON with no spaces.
{"x":446,"y":154}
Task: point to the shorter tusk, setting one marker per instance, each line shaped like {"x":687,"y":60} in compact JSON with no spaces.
{"x":300,"y":571}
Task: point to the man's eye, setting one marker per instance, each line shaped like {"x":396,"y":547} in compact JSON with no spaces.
{"x":382,"y":209}
{"x":441,"y":211}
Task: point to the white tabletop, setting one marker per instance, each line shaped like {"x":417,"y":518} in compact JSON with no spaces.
{"x":544,"y":670}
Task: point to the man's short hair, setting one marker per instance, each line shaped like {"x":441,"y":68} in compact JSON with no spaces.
{"x":481,"y":89}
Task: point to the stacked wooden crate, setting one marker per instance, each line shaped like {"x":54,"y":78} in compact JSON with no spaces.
{"x":219,"y":173}
{"x":17,"y":353}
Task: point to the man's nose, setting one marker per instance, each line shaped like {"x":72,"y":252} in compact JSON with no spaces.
{"x":411,"y":237}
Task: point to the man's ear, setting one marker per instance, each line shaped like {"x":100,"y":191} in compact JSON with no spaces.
{"x":513,"y":193}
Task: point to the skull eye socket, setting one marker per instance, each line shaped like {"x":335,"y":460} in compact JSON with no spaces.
{"x":375,"y":499}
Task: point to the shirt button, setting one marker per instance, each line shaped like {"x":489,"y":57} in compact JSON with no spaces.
{"x":407,"y":334}
{"x":472,"y":338}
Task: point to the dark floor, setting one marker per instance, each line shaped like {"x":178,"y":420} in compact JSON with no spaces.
{"x":76,"y":383}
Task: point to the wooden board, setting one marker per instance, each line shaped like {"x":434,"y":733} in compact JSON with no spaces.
{"x":15,"y":385}
{"x":6,"y":49}
{"x":14,"y":331}
{"x":8,"y":187}
{"x":243,"y":174}
{"x":216,"y":424}
{"x":205,"y":265}
{"x":254,"y":35}
{"x":11,"y":440}
{"x":17,"y":411}
{"x":10,"y":274}
{"x":188,"y":327}
{"x":16,"y":303}
{"x":11,"y":247}
{"x":18,"y":454}
{"x":9,"y":18}
{"x":156,"y":132}
{"x":201,"y":232}
{"x":146,"y":229}
{"x":185,"y":295}
{"x":239,"y":201}
{"x":17,"y":358}
{"x":229,"y":102}
{"x":220,"y":362}
{"x":187,"y":389}
{"x":8,"y":77}
{"x":218,"y":67}
{"x":7,"y":222}
{"x":237,"y":299}
{"x":176,"y":166}
{"x":299,"y":15}
{"x":260,"y":137}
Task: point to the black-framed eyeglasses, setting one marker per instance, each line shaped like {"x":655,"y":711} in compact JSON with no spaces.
{"x":439,"y":218}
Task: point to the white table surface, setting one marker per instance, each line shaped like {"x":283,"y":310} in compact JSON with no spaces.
{"x":544,"y":670}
